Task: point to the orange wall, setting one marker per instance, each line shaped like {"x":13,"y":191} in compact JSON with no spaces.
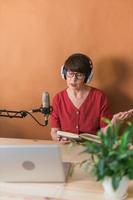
{"x":36,"y":36}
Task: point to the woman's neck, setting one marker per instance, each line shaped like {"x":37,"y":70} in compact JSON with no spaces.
{"x":78,"y":93}
{"x":77,"y":97}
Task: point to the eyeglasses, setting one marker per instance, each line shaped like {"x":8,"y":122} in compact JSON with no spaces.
{"x":78,"y":75}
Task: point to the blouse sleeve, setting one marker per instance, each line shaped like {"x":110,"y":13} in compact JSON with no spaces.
{"x":54,"y":118}
{"x":105,"y":111}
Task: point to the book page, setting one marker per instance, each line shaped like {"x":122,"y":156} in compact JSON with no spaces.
{"x":90,"y":137}
{"x":80,"y":137}
{"x":67,"y":135}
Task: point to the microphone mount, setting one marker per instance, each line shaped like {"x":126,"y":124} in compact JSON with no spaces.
{"x":44,"y":110}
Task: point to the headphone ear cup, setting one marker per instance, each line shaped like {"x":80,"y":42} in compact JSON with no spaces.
{"x":90,"y":76}
{"x":63,"y":72}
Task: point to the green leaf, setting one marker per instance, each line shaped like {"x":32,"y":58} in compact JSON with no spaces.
{"x":130,"y":174}
{"x":112,"y":153}
{"x":107,"y":121}
{"x":101,"y":168}
{"x":109,"y":139}
{"x":113,"y":165}
{"x":115,"y":181}
{"x":126,"y":155}
{"x":126,"y":139}
{"x":104,"y":139}
{"x":91,"y":147}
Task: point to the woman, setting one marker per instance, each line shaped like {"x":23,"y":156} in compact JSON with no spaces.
{"x":80,"y":108}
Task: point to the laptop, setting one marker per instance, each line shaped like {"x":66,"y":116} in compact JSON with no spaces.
{"x":32,"y":163}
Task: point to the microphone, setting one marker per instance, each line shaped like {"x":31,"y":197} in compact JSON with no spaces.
{"x":45,"y":100}
{"x":45,"y":108}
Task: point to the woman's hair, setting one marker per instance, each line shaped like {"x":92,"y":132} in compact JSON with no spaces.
{"x":78,"y":63}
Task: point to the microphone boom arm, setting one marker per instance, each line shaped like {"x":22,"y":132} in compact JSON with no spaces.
{"x":24,"y":113}
{"x":13,"y":114}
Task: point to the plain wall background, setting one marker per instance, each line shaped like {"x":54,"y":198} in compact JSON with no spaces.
{"x":36,"y":36}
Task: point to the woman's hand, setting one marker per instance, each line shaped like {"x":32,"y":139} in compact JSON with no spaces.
{"x":122,"y":116}
{"x":63,"y":140}
{"x":55,"y":137}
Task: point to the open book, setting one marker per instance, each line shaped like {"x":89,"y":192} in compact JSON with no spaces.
{"x":81,"y":137}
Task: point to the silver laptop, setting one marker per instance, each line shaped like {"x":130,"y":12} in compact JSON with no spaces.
{"x":32,"y":163}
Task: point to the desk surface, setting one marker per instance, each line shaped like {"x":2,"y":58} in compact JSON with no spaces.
{"x":80,"y":186}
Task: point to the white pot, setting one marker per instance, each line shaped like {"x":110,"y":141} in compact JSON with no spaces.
{"x":120,"y":193}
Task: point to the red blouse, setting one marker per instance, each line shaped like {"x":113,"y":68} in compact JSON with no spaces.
{"x":87,"y":119}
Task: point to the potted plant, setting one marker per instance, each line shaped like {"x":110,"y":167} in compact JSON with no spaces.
{"x":112,"y":159}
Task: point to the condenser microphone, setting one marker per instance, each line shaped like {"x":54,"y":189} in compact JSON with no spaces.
{"x":45,"y":100}
{"x":45,"y":105}
{"x":46,"y":109}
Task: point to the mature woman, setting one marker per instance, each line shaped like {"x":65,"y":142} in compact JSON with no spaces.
{"x":80,"y":108}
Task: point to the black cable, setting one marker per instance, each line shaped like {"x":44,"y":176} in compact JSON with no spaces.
{"x":34,"y":118}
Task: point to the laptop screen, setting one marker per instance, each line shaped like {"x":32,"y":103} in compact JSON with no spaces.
{"x":31,"y":163}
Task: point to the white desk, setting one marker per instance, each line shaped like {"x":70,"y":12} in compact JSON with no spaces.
{"x":80,"y":186}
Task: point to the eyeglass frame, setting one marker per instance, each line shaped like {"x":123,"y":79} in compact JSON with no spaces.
{"x":75,"y":74}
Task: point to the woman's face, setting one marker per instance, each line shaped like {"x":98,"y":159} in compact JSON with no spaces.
{"x":75,"y":80}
